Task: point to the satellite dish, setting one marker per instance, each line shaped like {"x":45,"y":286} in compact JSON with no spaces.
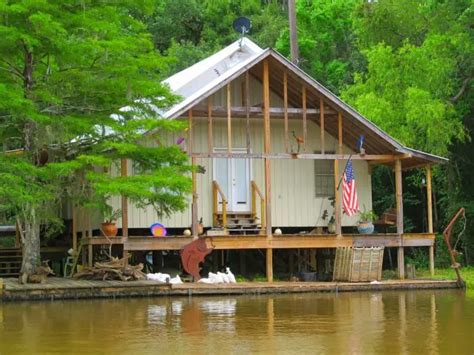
{"x":242,"y":25}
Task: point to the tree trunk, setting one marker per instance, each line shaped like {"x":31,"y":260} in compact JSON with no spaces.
{"x":30,"y":238}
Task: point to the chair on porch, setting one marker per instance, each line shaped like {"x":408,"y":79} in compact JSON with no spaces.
{"x":387,"y":219}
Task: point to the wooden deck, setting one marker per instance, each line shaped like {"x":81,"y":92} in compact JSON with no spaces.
{"x":287,"y":241}
{"x":63,"y":288}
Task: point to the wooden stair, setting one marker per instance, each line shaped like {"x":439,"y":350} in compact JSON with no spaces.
{"x":240,"y":223}
{"x":10,"y":262}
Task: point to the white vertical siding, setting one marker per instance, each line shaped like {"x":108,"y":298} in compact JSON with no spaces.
{"x":293,"y":181}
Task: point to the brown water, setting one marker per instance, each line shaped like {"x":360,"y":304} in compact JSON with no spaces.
{"x":417,"y":322}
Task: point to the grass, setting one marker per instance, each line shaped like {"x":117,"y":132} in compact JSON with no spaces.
{"x":467,"y":274}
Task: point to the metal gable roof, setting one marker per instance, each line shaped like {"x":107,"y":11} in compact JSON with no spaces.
{"x":206,"y":77}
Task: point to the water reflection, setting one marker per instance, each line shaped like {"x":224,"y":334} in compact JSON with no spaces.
{"x":359,"y":323}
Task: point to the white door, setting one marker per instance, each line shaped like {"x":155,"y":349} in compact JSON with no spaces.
{"x":233,"y":176}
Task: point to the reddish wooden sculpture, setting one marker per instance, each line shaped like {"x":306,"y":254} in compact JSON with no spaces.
{"x":193,"y":254}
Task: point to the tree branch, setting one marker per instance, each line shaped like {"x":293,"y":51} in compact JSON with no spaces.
{"x":462,"y":90}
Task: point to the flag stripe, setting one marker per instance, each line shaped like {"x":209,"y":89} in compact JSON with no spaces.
{"x":349,"y":200}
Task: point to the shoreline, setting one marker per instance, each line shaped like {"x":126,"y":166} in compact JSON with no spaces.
{"x":62,"y":289}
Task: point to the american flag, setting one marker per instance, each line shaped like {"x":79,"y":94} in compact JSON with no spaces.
{"x":349,"y":192}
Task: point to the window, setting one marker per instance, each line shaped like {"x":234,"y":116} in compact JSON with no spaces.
{"x":324,"y":177}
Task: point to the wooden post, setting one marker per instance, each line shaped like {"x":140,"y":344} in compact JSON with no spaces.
{"x":90,"y":255}
{"x":337,"y":199}
{"x":268,"y":209}
{"x":339,"y":129}
{"x":194,"y":206}
{"x":247,"y":108}
{"x":254,"y":199}
{"x":305,"y":129}
{"x":429,"y":199}
{"x":430,"y":215}
{"x":215,"y":204}
{"x":229,"y":124}
{"x":337,"y":194}
{"x":269,"y":259}
{"x":399,"y":200}
{"x":285,"y":105}
{"x":210,"y":140}
{"x":321,"y":117}
{"x":194,"y":211}
{"x":266,"y":117}
{"x":124,"y":173}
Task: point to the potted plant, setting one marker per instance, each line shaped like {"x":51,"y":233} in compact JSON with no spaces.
{"x":109,"y":226}
{"x":366,"y":219}
{"x":332,"y":219}
{"x":332,"y":225}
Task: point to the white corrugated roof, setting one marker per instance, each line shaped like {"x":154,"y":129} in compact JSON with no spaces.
{"x":192,"y":82}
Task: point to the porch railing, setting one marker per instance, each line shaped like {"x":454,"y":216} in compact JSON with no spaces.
{"x":216,"y":191}
{"x":256,"y":191}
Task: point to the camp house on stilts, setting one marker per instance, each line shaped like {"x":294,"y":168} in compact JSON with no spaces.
{"x":272,"y":143}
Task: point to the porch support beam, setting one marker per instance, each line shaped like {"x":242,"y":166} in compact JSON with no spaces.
{"x":266,"y":149}
{"x":429,"y":202}
{"x":255,"y":111}
{"x":339,"y":133}
{"x":368,"y":157}
{"x":285,"y":108}
{"x":229,"y":124}
{"x":194,"y":210}
{"x":269,"y":264}
{"x":321,"y":125}
{"x":305,"y":128}
{"x":123,"y":173}
{"x":337,"y":194}
{"x":210,"y":139}
{"x":247,"y":109}
{"x":399,"y":202}
{"x":194,"y":207}
{"x":337,"y":199}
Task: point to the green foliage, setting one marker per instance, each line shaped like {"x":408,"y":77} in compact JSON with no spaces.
{"x":110,"y":215}
{"x":367,"y":215}
{"x":176,"y":21}
{"x":189,"y":30}
{"x":325,"y":41}
{"x":66,"y":70}
{"x":406,"y":92}
{"x":66,"y":67}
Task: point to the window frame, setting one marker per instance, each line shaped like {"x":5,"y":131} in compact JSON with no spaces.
{"x":324,"y":183}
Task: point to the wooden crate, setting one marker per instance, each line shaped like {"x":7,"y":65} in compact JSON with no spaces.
{"x":358,"y":264}
{"x":342,"y":264}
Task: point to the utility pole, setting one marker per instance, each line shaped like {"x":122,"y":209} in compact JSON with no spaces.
{"x":293,"y":34}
